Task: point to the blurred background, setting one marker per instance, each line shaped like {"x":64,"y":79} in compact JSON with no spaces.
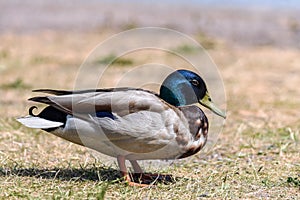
{"x":242,"y":22}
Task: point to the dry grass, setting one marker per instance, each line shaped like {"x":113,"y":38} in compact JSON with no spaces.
{"x":256,"y":156}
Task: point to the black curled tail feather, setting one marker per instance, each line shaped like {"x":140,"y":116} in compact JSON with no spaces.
{"x":31,"y":111}
{"x":50,"y":113}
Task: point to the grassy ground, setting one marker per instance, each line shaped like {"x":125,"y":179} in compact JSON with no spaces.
{"x":255,"y":157}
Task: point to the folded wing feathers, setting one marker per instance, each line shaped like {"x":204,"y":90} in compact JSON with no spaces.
{"x":122,"y":102}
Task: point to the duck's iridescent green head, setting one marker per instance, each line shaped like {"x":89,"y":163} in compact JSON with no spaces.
{"x":184,"y":87}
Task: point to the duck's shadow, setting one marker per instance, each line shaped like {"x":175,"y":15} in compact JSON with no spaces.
{"x":85,"y":174}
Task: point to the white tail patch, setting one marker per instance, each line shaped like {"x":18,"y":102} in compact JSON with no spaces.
{"x":37,"y":122}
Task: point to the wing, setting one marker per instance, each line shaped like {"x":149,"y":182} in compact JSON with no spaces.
{"x":120,"y":101}
{"x":139,"y":113}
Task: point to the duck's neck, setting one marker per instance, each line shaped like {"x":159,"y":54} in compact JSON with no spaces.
{"x":170,"y":97}
{"x":177,"y":90}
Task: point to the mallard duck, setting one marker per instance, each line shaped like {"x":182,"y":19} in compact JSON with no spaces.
{"x":130,"y":123}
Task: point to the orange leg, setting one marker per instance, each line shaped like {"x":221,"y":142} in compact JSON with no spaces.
{"x":122,"y":166}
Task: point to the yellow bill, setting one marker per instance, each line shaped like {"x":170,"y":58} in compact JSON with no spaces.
{"x":207,"y":102}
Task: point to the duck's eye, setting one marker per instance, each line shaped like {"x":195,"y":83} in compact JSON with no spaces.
{"x":195,"y":82}
{"x":209,"y":99}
